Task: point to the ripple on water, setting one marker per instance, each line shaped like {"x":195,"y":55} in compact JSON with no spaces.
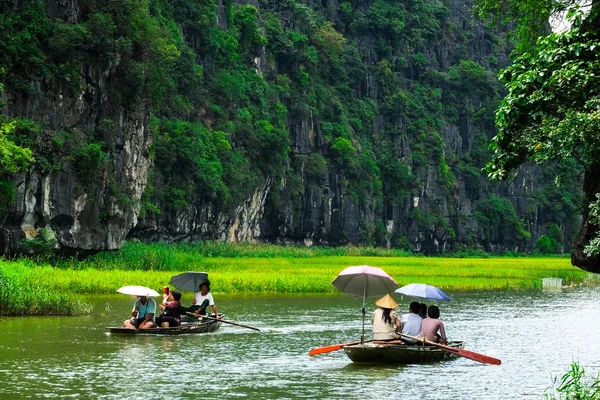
{"x":534,"y":333}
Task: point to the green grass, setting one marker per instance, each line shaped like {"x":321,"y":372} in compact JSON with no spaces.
{"x":574,"y":384}
{"x":314,"y":274}
{"x":23,"y":291}
{"x":40,"y":287}
{"x":177,"y":257}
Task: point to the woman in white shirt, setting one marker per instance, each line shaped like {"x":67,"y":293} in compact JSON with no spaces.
{"x":203,"y":299}
{"x":385,"y":320}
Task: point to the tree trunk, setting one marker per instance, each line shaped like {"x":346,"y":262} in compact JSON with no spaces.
{"x":591,"y":186}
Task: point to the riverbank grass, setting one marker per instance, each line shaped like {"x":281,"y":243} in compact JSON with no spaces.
{"x":28,"y":287}
{"x":23,"y":291}
{"x":311,"y":275}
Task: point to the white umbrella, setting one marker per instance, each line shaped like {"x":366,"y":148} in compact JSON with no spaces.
{"x":365,"y":281}
{"x":138,"y":291}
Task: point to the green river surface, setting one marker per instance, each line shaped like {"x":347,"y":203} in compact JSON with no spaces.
{"x":534,"y":333}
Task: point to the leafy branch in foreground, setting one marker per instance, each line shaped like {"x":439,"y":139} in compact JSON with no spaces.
{"x":573,"y":385}
{"x":552,"y":107}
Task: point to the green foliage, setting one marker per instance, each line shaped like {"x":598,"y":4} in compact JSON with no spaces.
{"x":344,"y":150}
{"x":23,"y":32}
{"x":228,"y":91}
{"x":13,"y":158}
{"x":315,"y":166}
{"x":592,"y":249}
{"x":42,"y":244}
{"x":245,"y":22}
{"x":396,"y":175}
{"x":574,"y":385}
{"x":495,"y":214}
{"x":432,"y":221}
{"x":187,"y":156}
{"x":534,"y":122}
{"x":23,"y":291}
{"x":469,"y":77}
{"x":531,"y":16}
{"x":88,"y":162}
{"x":551,"y":242}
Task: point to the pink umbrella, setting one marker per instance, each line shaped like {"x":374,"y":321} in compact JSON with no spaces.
{"x":365,"y":281}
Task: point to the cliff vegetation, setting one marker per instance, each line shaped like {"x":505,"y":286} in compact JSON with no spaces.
{"x":331,"y":122}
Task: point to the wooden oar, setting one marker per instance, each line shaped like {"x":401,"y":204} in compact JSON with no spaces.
{"x":459,"y":352}
{"x":332,"y":347}
{"x":222,"y":320}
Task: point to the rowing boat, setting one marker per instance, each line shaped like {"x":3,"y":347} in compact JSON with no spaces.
{"x":385,"y":353}
{"x":205,"y":326}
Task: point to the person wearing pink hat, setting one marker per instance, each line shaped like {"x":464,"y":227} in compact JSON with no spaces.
{"x":385,"y":320}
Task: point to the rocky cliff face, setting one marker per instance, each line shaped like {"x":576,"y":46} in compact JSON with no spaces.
{"x":84,"y":210}
{"x":435,"y":217}
{"x":444,"y":202}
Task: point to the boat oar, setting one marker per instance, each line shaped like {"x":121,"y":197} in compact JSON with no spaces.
{"x":482,"y":358}
{"x":222,"y":320}
{"x":330,"y":348}
{"x":336,"y":347}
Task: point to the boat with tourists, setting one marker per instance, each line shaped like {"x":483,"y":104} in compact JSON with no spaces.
{"x":397,"y":353}
{"x":388,"y":348}
{"x":203,"y":326}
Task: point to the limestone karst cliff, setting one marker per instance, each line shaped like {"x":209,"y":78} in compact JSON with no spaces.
{"x":325,"y":122}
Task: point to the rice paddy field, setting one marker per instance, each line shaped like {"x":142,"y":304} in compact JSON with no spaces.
{"x":259,"y":268}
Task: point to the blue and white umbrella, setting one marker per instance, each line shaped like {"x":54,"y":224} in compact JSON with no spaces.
{"x":423,"y":291}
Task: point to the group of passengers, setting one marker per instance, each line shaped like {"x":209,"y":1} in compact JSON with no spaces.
{"x":420,"y":322}
{"x":144,"y":309}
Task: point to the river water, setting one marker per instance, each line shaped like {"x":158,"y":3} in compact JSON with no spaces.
{"x":535,"y":334}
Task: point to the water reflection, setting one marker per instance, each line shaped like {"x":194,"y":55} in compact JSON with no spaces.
{"x":533,"y":333}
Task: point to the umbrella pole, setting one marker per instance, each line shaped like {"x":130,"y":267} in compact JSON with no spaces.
{"x":362,"y":336}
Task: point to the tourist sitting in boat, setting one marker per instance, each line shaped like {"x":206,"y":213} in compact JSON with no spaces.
{"x":432,"y":325}
{"x":202,"y":300}
{"x":385,"y":320}
{"x":423,"y":311}
{"x":411,"y":322}
{"x":142,"y":314}
{"x":170,"y":315}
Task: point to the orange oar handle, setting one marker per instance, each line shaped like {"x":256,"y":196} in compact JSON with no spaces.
{"x":330,"y":348}
{"x":333,"y":347}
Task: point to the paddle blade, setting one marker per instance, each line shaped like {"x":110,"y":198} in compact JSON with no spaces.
{"x":482,"y":358}
{"x":329,"y":349}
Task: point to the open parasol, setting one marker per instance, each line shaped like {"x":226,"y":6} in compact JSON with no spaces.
{"x":365,"y":281}
{"x":423,"y":291}
{"x":138,"y":291}
{"x":189,"y":281}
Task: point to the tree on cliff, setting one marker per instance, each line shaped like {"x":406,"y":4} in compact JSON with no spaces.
{"x":13,"y":159}
{"x":552,"y":109}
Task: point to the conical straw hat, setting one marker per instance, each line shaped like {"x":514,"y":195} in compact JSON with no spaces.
{"x":387,"y":302}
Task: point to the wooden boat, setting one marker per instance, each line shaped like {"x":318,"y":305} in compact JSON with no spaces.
{"x":205,"y":326}
{"x":394,"y":353}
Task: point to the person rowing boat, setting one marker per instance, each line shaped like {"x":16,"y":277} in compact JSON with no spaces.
{"x":202,"y":300}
